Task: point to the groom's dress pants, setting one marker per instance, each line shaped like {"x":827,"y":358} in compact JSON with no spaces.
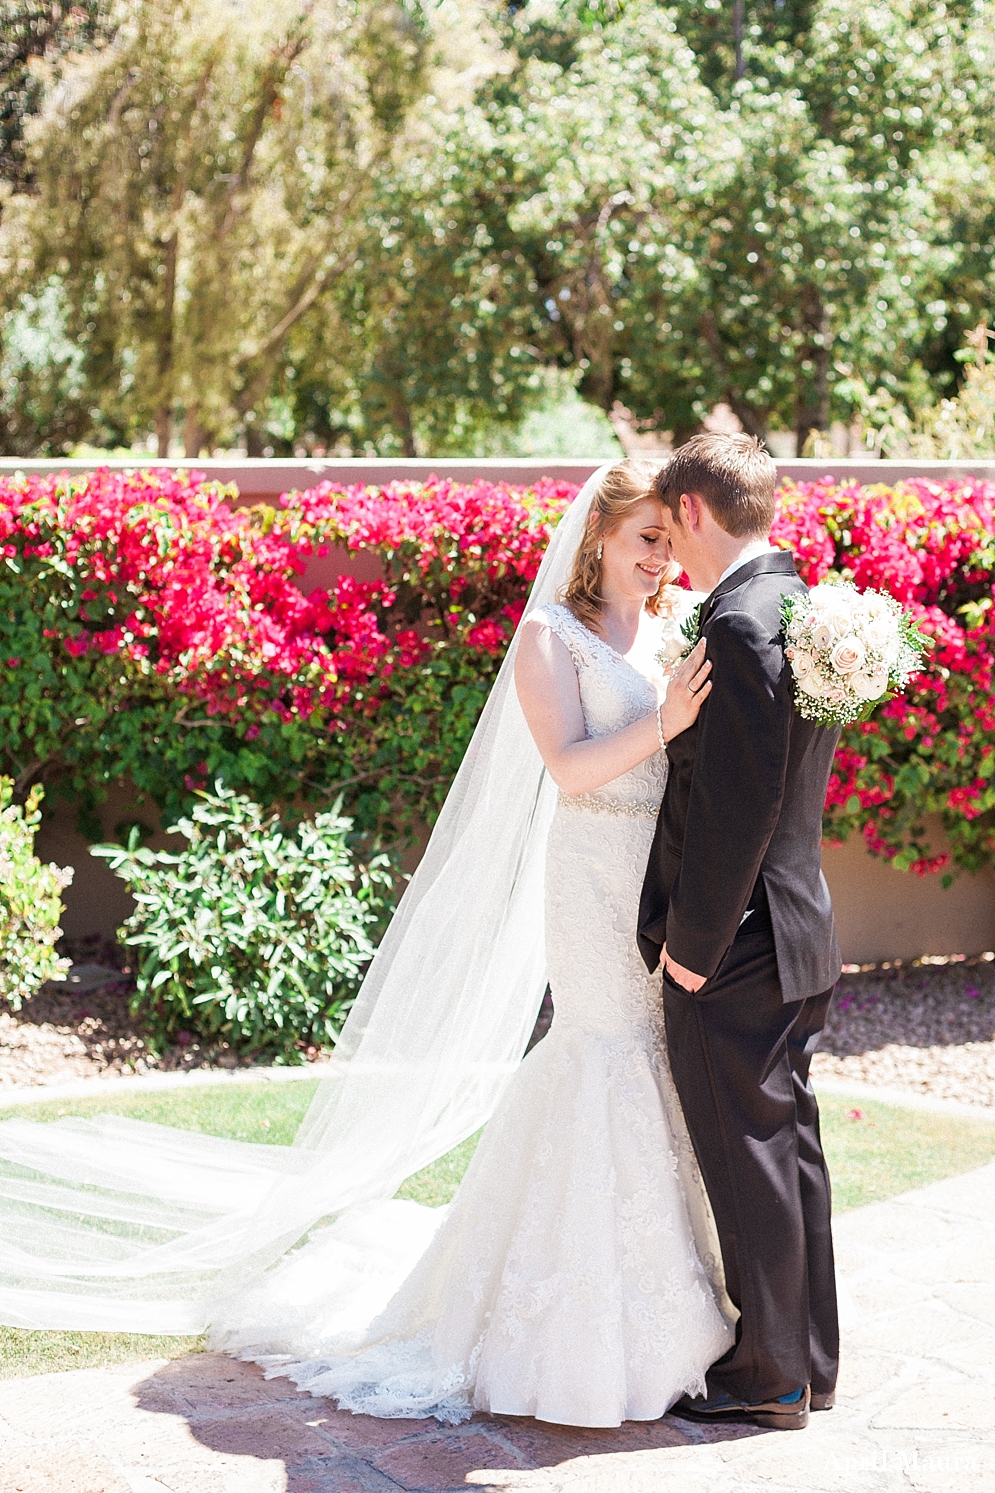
{"x":740,"y":1060}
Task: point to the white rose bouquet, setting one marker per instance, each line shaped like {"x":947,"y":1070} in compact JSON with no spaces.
{"x":849,"y":650}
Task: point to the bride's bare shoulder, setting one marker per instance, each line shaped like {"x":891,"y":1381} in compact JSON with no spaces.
{"x":543,"y":653}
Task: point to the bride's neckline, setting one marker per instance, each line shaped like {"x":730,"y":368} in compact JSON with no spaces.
{"x":622,"y":657}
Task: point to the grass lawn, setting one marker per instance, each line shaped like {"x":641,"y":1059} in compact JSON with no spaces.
{"x":252,"y":1111}
{"x":889,"y":1150}
{"x":879,"y":1152}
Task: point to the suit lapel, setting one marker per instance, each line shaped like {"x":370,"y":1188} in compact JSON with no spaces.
{"x":774,"y":562}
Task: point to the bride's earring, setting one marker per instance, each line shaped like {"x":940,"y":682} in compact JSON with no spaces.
{"x":600,"y":550}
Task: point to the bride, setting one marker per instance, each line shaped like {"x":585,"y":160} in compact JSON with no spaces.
{"x":575,"y":1276}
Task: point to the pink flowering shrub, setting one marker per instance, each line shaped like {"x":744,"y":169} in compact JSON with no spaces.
{"x":932,"y":546}
{"x":150,"y":629}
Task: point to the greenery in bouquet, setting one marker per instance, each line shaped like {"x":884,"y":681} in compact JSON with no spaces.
{"x":256,"y":935}
{"x":691,"y":630}
{"x":30,"y":902}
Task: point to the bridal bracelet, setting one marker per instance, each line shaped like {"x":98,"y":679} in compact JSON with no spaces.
{"x":659,"y":729}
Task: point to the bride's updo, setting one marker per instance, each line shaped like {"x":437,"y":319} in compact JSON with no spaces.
{"x":623,"y":486}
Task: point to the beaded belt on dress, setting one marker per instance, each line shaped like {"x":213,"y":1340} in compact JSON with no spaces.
{"x":630,"y":808}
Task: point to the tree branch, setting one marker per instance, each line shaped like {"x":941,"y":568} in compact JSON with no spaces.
{"x":283,"y":59}
{"x":23,"y":781}
{"x":319,"y":277}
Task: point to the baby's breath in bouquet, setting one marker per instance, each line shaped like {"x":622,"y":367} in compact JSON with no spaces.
{"x":848,"y":651}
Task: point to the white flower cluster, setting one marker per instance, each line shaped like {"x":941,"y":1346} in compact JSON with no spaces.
{"x":847,"y":649}
{"x":673,"y":647}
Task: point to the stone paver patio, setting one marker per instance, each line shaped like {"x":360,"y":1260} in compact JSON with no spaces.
{"x":916,"y":1409}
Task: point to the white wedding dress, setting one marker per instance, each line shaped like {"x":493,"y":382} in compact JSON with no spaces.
{"x":574,"y":1278}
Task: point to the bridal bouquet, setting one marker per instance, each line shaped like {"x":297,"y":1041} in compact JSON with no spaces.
{"x":849,"y":650}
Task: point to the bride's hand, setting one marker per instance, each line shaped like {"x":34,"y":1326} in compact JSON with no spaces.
{"x":688,"y":688}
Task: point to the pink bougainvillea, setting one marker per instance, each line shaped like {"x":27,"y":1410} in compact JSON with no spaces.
{"x":160,"y":632}
{"x":207,"y":594}
{"x":147,"y":609}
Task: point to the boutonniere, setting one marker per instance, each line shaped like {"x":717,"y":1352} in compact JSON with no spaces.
{"x":849,"y":650}
{"x":679,"y":641}
{"x":691,"y":629}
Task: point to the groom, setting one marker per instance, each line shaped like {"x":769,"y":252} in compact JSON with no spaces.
{"x":736,"y":908}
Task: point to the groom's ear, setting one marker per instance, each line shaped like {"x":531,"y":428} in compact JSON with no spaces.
{"x":691,"y":506}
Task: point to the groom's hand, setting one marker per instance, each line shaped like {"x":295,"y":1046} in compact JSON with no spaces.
{"x":686,"y":978}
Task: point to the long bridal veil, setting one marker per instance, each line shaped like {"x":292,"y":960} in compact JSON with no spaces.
{"x":116,"y":1224}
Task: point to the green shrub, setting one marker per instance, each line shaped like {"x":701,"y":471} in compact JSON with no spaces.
{"x":256,"y":935}
{"x":30,"y":902}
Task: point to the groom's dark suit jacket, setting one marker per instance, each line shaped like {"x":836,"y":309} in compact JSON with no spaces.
{"x":741,"y":821}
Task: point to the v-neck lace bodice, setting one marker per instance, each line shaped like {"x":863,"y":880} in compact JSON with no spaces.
{"x":614,"y":693}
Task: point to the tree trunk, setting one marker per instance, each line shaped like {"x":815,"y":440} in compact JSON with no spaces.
{"x":592,"y":336}
{"x":194,"y":435}
{"x":164,"y":412}
{"x":598,"y":383}
{"x":737,"y":36}
{"x":257,"y":370}
{"x":163,"y":430}
{"x":812,"y":396}
{"x":400,"y":414}
{"x":753,"y":420}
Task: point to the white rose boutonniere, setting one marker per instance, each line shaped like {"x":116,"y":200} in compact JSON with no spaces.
{"x":679,"y":642}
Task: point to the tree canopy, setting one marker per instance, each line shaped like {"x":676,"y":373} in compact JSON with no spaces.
{"x":375,"y":225}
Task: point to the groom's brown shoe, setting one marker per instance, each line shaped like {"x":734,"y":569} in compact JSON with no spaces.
{"x":824,"y":1401}
{"x":789,"y":1413}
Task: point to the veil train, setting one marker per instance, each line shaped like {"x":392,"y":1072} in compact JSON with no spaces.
{"x":119,"y":1225}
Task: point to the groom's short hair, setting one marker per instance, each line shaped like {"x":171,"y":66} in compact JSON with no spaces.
{"x":732,"y":474}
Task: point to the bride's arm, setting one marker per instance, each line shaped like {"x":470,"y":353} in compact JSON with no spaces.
{"x":546,"y":681}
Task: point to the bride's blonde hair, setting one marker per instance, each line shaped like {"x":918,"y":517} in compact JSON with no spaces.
{"x":622,"y":487}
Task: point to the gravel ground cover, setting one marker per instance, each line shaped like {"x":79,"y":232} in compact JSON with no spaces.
{"x":83,"y":1028}
{"x":76,"y":1033}
{"x":924,"y":1028}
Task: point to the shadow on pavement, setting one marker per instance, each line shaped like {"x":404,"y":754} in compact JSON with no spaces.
{"x":305,"y":1445}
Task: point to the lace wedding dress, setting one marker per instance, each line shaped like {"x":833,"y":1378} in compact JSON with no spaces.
{"x":574,"y":1277}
